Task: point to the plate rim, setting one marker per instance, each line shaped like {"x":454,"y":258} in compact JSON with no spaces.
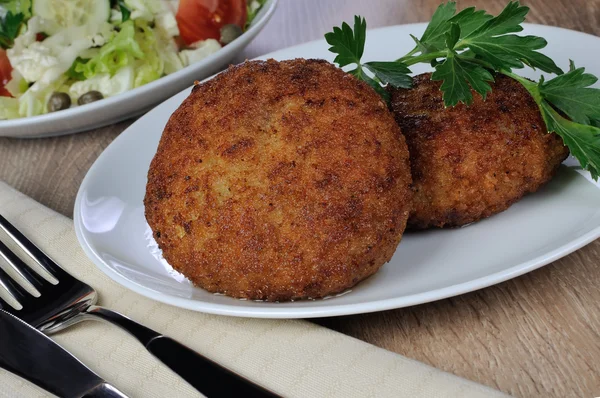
{"x":75,"y":112}
{"x":273,"y":312}
{"x":341,"y":309}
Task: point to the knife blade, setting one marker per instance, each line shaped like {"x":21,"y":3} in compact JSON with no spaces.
{"x":30,"y":354}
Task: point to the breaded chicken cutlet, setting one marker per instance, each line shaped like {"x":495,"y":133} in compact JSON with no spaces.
{"x":469,"y":163}
{"x":278,"y":181}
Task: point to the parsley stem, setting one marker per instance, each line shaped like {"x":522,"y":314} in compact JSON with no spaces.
{"x":518,"y":78}
{"x":425,"y":57}
{"x":408,"y":55}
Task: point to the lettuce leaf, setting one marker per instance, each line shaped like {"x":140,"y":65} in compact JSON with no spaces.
{"x":152,"y":66}
{"x":138,"y":45}
{"x":121,"y":51}
{"x":17,"y":6}
{"x":34,"y":101}
{"x":9,"y":108}
{"x":252,"y":9}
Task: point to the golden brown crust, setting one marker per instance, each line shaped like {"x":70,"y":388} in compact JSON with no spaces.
{"x":278,"y":181}
{"x":472,"y":162}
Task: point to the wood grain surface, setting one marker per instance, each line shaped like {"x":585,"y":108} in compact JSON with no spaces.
{"x":534,"y":336}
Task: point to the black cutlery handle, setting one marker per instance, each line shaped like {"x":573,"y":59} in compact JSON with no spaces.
{"x":208,"y":377}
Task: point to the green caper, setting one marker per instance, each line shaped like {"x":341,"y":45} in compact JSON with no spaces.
{"x":90,"y":96}
{"x":59,"y":101}
{"x":229,"y":33}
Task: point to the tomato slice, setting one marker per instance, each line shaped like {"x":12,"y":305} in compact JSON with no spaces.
{"x":5,"y":71}
{"x":203,"y":19}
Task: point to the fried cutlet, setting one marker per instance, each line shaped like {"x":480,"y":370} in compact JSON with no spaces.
{"x":469,"y":163}
{"x":278,"y":181}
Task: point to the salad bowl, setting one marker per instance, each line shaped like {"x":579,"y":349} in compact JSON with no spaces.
{"x":137,"y":100}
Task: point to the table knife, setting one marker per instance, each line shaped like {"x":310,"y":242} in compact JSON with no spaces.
{"x":31,"y":355}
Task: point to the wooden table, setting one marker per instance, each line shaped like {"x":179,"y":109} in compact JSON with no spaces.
{"x":536,"y":335}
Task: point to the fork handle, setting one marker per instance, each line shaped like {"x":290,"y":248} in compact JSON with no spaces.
{"x":208,"y":377}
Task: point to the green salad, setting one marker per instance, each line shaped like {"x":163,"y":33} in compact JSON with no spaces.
{"x":57,"y":54}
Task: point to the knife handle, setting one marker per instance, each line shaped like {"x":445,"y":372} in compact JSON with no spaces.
{"x":208,"y":377}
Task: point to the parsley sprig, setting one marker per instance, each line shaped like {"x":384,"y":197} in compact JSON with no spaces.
{"x":571,"y":109}
{"x":466,"y":49}
{"x":349,"y":46}
{"x":9,"y":28}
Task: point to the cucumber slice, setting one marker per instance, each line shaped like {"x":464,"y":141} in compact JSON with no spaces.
{"x":60,"y":14}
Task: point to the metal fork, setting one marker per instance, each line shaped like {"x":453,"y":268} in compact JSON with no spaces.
{"x":71,"y":301}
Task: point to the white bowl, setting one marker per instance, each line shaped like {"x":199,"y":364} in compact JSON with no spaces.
{"x":136,"y":101}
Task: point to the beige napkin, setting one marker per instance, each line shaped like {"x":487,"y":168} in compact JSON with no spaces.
{"x":294,"y":358}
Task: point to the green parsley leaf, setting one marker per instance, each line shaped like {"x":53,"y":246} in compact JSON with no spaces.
{"x":125,"y":12}
{"x":452,"y":36}
{"x":583,"y":140}
{"x":572,"y":95}
{"x":459,"y":75}
{"x":469,"y":20}
{"x":508,"y":21}
{"x":473,"y":37}
{"x":394,"y":73}
{"x":492,"y":44}
{"x":433,"y":38}
{"x":511,"y":51}
{"x":359,"y":73}
{"x":9,"y":28}
{"x":348,"y":44}
{"x":421,"y":47}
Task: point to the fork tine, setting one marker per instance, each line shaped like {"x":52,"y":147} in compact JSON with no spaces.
{"x":39,"y":256}
{"x":10,"y":285}
{"x":21,"y":267}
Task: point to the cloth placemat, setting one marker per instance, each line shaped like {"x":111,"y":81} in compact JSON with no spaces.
{"x":292,"y":357}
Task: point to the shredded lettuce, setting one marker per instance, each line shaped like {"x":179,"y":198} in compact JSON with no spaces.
{"x":33,"y":101}
{"x":46,"y":61}
{"x":17,"y":6}
{"x":252,"y":9}
{"x":22,"y":86}
{"x":108,"y":85}
{"x":166,"y":46}
{"x":9,"y":108}
{"x":144,"y":9}
{"x":17,"y":85}
{"x":152,"y":66}
{"x":169,"y":53}
{"x":199,"y":51}
{"x":121,"y":51}
{"x":137,"y":44}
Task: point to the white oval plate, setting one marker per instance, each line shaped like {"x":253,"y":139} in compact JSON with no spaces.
{"x":133,"y":102}
{"x":427,"y":266}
